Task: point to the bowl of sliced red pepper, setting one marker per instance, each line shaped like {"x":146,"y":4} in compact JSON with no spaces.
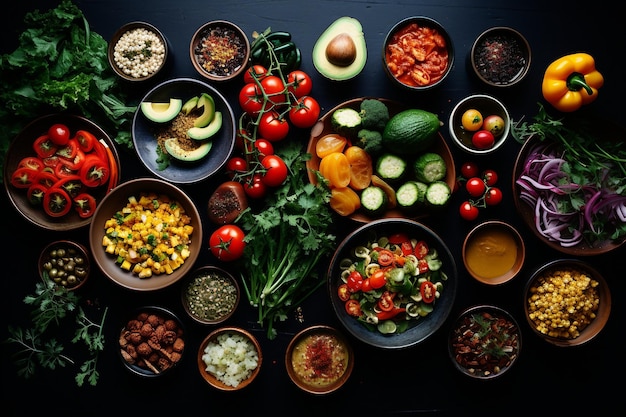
{"x":58,"y":169}
{"x":392,"y":283}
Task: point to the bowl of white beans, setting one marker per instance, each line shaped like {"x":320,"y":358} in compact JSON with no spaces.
{"x":138,"y":51}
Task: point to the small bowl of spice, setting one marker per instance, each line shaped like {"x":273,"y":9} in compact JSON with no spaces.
{"x":484,"y":342}
{"x":137,"y":51}
{"x":66,"y":263}
{"x":319,"y":359}
{"x":500,"y":57}
{"x":210,"y":295}
{"x":493,"y":252}
{"x":219,"y":50}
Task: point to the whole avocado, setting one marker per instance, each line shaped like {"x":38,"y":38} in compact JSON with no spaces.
{"x":411,"y":131}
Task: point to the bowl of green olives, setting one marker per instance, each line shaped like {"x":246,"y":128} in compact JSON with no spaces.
{"x":66,"y":263}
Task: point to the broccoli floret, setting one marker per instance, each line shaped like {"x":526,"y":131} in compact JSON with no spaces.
{"x":370,"y":140}
{"x":374,"y":114}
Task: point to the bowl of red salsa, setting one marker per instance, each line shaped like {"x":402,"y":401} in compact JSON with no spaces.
{"x":418,"y":53}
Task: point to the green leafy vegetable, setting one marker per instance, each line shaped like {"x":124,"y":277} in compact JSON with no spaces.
{"x":61,"y":65}
{"x":285,"y":242}
{"x":51,"y":304}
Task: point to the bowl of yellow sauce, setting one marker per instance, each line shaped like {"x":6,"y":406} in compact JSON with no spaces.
{"x":493,"y":252}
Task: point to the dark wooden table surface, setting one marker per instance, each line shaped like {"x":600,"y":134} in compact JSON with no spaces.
{"x":417,"y":381}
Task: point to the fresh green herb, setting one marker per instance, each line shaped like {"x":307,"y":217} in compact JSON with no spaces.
{"x":51,"y":304}
{"x":60,"y":65}
{"x":285,"y":242}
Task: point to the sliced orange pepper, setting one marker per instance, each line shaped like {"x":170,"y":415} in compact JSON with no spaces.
{"x":336,"y":169}
{"x":361,"y":168}
{"x":344,"y":201}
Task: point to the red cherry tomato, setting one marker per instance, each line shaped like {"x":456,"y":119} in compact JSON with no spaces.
{"x":493,"y":196}
{"x":343,"y":293}
{"x":483,"y":139}
{"x":468,"y":211}
{"x":264,"y":147}
{"x":59,"y":134}
{"x":254,"y":187}
{"x":305,"y":113}
{"x":276,"y":172}
{"x":236,"y":165}
{"x":251,"y":98}
{"x":428,"y":291}
{"x":255,"y":72}
{"x":227,"y":242}
{"x":469,"y":169}
{"x":490,"y":177}
{"x":475,"y":187}
{"x":273,"y":87}
{"x":353,"y":308}
{"x":354,"y":281}
{"x":299,"y":83}
{"x":378,"y":279}
{"x":421,"y":249}
{"x":273,"y":127}
{"x":385,"y":302}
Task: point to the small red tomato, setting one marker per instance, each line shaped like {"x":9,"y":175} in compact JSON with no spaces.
{"x":469,"y":169}
{"x":276,"y":172}
{"x":236,"y":165}
{"x":483,"y":139}
{"x":299,"y":83}
{"x":468,"y":211}
{"x":59,"y":134}
{"x":306,"y":113}
{"x":493,"y":196}
{"x":255,"y":72}
{"x":227,"y":242}
{"x":254,"y":187}
{"x":343,"y":293}
{"x":475,"y":187}
{"x":353,"y":308}
{"x":264,"y":147}
{"x":273,"y":127}
{"x":490,"y":177}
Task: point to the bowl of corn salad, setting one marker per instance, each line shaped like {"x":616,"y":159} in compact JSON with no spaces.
{"x":146,"y":234}
{"x":567,"y":302}
{"x":138,"y":51}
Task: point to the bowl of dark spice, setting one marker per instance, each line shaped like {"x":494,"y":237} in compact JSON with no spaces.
{"x":500,"y":57}
{"x":210,"y":295}
{"x":219,"y":50}
{"x":484,"y":342}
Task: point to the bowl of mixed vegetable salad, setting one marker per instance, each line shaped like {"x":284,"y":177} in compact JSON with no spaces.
{"x":392,"y":283}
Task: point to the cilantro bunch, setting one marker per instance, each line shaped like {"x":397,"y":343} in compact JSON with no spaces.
{"x":60,"y":65}
{"x":285,"y":241}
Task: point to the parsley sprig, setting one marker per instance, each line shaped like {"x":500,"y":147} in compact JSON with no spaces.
{"x":51,"y":304}
{"x":285,"y":242}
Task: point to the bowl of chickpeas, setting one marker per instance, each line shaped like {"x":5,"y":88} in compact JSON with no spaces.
{"x":146,"y":235}
{"x":138,"y":51}
{"x":567,"y":302}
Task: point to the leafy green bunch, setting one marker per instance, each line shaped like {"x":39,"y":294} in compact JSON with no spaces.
{"x":51,"y":305}
{"x":60,"y":65}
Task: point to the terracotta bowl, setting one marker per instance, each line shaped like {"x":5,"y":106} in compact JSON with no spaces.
{"x":323,"y":340}
{"x":113,"y":204}
{"x":500,"y":57}
{"x":487,"y":106}
{"x":65,"y":262}
{"x":493,"y":252}
{"x":229,"y":338}
{"x":442,"y":45}
{"x":221,"y":31}
{"x":138,"y":51}
{"x":587,"y":291}
{"x":210,"y":295}
{"x":479,"y":351}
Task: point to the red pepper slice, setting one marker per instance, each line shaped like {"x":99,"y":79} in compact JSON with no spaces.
{"x":385,"y":302}
{"x":398,"y":238}
{"x":422,"y":266}
{"x":386,"y":315}
{"x":353,"y":308}
{"x":86,"y":140}
{"x":421,"y":249}
{"x":385,"y":257}
{"x":428,"y":290}
{"x":31,"y":162}
{"x":46,"y":178}
{"x":23,"y":177}
{"x":85,"y":205}
{"x":51,"y":161}
{"x":44,"y":147}
{"x":406,"y":247}
{"x":56,"y":202}
{"x":36,"y":193}
{"x":343,"y":292}
{"x":68,"y":151}
{"x":72,"y":185}
{"x":95,"y":171}
{"x":64,"y":170}
{"x":77,"y":162}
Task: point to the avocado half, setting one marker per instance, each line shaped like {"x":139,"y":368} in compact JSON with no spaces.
{"x":335,"y":36}
{"x":162,"y":112}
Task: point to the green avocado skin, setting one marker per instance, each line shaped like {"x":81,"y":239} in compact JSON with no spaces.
{"x":343,"y":25}
{"x":165,"y":116}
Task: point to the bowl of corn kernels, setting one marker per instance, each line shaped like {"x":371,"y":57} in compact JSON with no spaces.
{"x":567,"y":302}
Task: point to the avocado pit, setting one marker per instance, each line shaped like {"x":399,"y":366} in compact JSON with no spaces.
{"x":341,"y":50}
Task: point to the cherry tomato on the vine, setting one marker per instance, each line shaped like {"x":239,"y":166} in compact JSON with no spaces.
{"x":272,"y":127}
{"x":475,"y":187}
{"x":251,"y":98}
{"x":490,"y":177}
{"x":274,"y":88}
{"x":236,"y":165}
{"x":493,"y":196}
{"x":227,"y":242}
{"x":254,"y":187}
{"x":256,"y":71}
{"x":264,"y":147}
{"x":468,"y":211}
{"x":300,"y":83}
{"x":305,"y":113}
{"x":276,"y":172}
{"x":469,"y":169}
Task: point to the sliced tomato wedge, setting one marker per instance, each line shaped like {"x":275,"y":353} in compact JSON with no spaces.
{"x":95,"y":171}
{"x":44,"y":147}
{"x":86,"y":140}
{"x":31,"y":162}
{"x":353,"y":308}
{"x":23,"y":177}
{"x":56,"y":202}
{"x":385,"y":257}
{"x":421,"y":249}
{"x":343,"y":293}
{"x":385,"y":302}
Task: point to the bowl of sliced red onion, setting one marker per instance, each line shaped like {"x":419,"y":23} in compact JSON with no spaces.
{"x":570,"y":199}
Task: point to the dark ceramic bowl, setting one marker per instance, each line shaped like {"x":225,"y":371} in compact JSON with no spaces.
{"x":500,"y":57}
{"x":417,"y":330}
{"x":114,"y":202}
{"x":152,"y":342}
{"x":218,"y":338}
{"x":221,"y":32}
{"x":149,"y":52}
{"x":485,"y":342}
{"x":325,"y":340}
{"x":441,"y":43}
{"x":583,"y":290}
{"x":184,"y":172}
{"x":210,"y":295}
{"x":65,"y":262}
{"x":22,"y":147}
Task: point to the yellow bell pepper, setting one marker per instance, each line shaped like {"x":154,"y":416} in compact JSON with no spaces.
{"x":571,"y":82}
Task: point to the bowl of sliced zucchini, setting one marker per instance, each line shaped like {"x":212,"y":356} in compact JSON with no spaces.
{"x":369,"y":181}
{"x":392,"y":283}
